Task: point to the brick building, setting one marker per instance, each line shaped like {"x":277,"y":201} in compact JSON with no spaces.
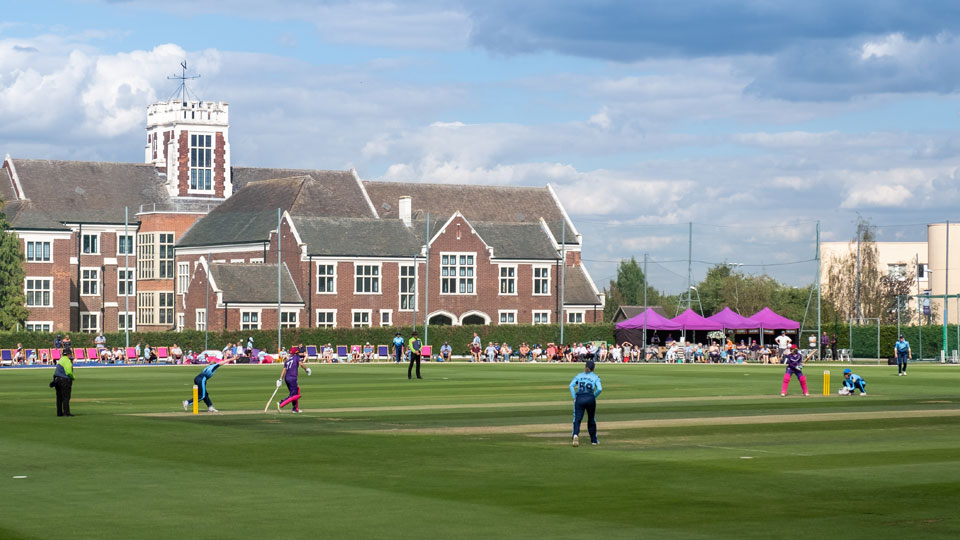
{"x":187,"y":240}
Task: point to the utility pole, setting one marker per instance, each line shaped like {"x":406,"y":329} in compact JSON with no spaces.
{"x":279,"y":276}
{"x":946,"y":287}
{"x":819,"y":278}
{"x":689,"y":263}
{"x":563,"y":267}
{"x":645,"y":307}
{"x":426,"y":287}
{"x":127,"y":278}
{"x":858,"y":310}
{"x":919,"y":308}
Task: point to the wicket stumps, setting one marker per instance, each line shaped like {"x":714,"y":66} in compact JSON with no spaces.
{"x":196,"y":398}
{"x":826,"y":382}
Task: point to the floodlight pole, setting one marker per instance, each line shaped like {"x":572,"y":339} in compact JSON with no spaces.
{"x":689,"y":262}
{"x":126,"y":264}
{"x":563,"y":266}
{"x":645,"y":307}
{"x":819,"y":305}
{"x":426,"y":288}
{"x":279,"y":277}
{"x":946,"y":286}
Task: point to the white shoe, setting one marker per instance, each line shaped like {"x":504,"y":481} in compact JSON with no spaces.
{"x":186,"y":404}
{"x":278,"y":407}
{"x":863,"y":393}
{"x":783,"y":395}
{"x":596,"y":443}
{"x":211,"y":409}
{"x":576,"y":441}
{"x":900,"y":374}
{"x":904,"y":373}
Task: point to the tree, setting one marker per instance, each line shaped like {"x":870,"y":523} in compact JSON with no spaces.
{"x":858,"y":288}
{"x":12,"y":310}
{"x":627,"y":289}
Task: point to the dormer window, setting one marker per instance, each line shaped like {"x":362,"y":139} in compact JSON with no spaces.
{"x":201,"y":164}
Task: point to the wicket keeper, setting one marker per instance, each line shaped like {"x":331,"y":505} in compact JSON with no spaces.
{"x":289,"y":376}
{"x":201,"y":382}
{"x":584,"y":388}
{"x":851,"y":382}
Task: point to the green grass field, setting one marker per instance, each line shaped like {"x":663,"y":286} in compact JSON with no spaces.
{"x":481,"y":451}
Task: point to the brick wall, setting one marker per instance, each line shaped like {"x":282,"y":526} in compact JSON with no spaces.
{"x":218,"y":164}
{"x":183,"y":164}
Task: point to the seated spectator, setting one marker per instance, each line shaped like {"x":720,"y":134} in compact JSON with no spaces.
{"x":149,"y":355}
{"x":672,"y":352}
{"x":627,"y":347}
{"x":652,"y":353}
{"x":106,"y":356}
{"x":228,"y":352}
{"x":176,"y":354}
{"x":699,"y":354}
{"x":367,"y":352}
{"x":506,"y":351}
{"x":475,"y":352}
{"x":714,"y":353}
{"x":524,"y":352}
{"x":602,"y":353}
{"x":742,"y":351}
{"x":445,"y":352}
{"x":615,"y":353}
{"x":765,"y":354}
{"x":754,"y":351}
{"x":18,"y":356}
{"x":499,"y":356}
{"x":536,"y":352}
{"x":491,"y":352}
{"x":328,"y":353}
{"x":32,"y":357}
{"x":688,"y":352}
{"x":592,"y":351}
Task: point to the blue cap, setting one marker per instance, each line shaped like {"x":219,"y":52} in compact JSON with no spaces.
{"x":847,"y":371}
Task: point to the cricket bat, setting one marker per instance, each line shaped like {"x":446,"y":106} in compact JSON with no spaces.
{"x":271,"y":398}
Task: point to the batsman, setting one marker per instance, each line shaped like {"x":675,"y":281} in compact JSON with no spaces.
{"x":289,"y":376}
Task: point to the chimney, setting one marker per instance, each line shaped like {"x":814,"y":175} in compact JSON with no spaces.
{"x":404,"y":210}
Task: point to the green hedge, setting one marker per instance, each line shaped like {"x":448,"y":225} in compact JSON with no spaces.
{"x":865,"y":339}
{"x":459,"y":337}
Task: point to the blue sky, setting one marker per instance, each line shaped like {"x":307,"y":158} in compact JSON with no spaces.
{"x":751,"y":119}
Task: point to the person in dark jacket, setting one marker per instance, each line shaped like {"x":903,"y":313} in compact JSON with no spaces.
{"x":63,"y":382}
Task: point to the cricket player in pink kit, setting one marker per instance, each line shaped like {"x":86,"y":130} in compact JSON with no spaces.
{"x":794,"y":363}
{"x":289,"y":376}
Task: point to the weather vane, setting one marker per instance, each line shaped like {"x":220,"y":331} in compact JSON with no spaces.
{"x":182,"y":91}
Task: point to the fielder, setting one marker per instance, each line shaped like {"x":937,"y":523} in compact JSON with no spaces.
{"x":903,"y":352}
{"x":289,"y":376}
{"x":201,"y":382}
{"x":584,"y":388}
{"x":794,"y":363}
{"x":851,"y":382}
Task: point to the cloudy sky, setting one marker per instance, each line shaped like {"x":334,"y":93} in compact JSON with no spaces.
{"x":752,"y":119}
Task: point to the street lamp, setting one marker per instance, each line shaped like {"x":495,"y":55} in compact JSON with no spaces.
{"x":694,"y":289}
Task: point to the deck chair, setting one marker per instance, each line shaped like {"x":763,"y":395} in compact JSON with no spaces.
{"x":341,"y":353}
{"x":93,"y":355}
{"x":356,"y":353}
{"x":6,"y":357}
{"x":55,"y":354}
{"x":30,"y":352}
{"x":131,"y":354}
{"x":43,"y":355}
{"x":312,"y":352}
{"x":383,"y":351}
{"x":163,"y":354}
{"x":79,"y":353}
{"x":368,"y":352}
{"x":426,"y":352}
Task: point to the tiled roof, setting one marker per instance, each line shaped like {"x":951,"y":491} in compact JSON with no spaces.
{"x":577,"y":289}
{"x":516,"y":240}
{"x":251,"y":213}
{"x":254,"y":283}
{"x":81,"y":191}
{"x":347,"y":237}
{"x":333,"y":193}
{"x":501,"y":204}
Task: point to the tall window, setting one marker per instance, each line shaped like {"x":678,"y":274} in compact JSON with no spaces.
{"x":183,"y":277}
{"x":125,"y":321}
{"x":408,"y":288}
{"x":166,"y":308}
{"x":125,"y":244}
{"x":541,"y":317}
{"x":201,"y":319}
{"x":508,"y":280}
{"x":91,"y":244}
{"x":89,"y":321}
{"x":456,"y":273}
{"x":386,"y":317}
{"x":367,"y":279}
{"x":575,"y":317}
{"x":38,"y":292}
{"x":146,"y":307}
{"x":249,"y":320}
{"x":326,"y":278}
{"x":146,"y":257}
{"x":180,"y":321}
{"x":90,"y":281}
{"x":361,"y":318}
{"x":201,"y":164}
{"x":508,"y":317}
{"x":38,"y":251}
{"x":541,"y":280}
{"x":166,"y":255}
{"x":289,"y":319}
{"x":326,"y":318}
{"x":125,"y":282}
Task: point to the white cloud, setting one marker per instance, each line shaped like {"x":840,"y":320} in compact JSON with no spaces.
{"x":896,"y":196}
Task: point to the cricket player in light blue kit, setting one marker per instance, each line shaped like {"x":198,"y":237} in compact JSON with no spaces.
{"x":201,"y":381}
{"x":584,"y":388}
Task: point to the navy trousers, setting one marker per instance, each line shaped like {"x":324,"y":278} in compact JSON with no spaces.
{"x":588,"y":403}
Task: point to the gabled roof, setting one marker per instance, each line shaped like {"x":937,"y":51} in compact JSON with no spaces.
{"x":357,"y":237}
{"x":253,"y":283}
{"x":501,"y":204}
{"x":251,"y":213}
{"x":335,"y":193}
{"x":628,"y":312}
{"x":578,"y":288}
{"x":80,"y":191}
{"x":516,"y":240}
